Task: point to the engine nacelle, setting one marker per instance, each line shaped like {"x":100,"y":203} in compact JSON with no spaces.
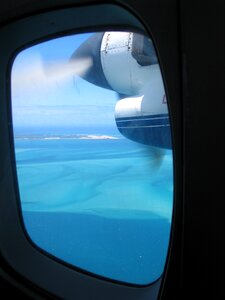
{"x":121,"y":69}
{"x":126,"y":63}
{"x":149,"y":129}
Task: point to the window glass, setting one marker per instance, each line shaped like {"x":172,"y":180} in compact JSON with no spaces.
{"x":94,"y":154}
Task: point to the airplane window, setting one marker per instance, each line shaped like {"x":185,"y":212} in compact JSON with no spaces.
{"x":93,"y":153}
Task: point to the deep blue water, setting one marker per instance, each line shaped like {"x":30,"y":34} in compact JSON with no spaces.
{"x":103,"y":205}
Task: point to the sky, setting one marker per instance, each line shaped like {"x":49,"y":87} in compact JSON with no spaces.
{"x":46,"y":93}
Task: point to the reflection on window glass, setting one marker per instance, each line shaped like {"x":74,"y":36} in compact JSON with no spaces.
{"x":93,"y":153}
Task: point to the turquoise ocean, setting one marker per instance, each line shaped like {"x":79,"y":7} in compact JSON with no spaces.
{"x":96,"y":200}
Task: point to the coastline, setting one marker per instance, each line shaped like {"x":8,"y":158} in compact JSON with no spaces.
{"x":69,"y":137}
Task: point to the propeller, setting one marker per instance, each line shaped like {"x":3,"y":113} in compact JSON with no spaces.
{"x":158,"y":155}
{"x":39,"y":75}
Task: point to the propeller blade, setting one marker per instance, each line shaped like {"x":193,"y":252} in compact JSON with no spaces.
{"x":157,"y":155}
{"x":42,"y":75}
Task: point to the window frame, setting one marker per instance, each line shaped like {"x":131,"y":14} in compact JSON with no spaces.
{"x":16,"y":248}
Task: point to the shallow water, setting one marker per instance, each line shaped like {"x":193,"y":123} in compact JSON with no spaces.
{"x":103,"y":205}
